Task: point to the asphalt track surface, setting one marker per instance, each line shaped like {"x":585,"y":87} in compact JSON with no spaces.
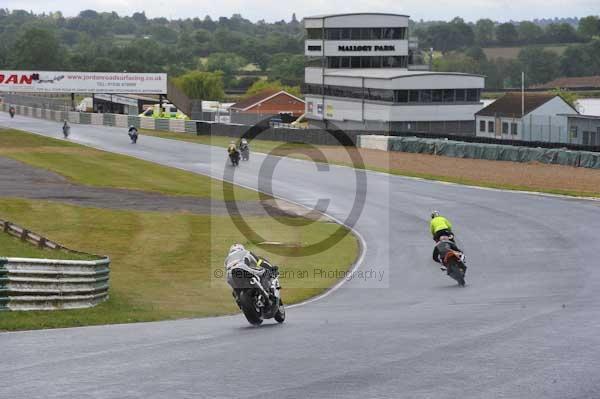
{"x":526,"y":326}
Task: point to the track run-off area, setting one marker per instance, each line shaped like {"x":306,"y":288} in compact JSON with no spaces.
{"x":526,"y":326}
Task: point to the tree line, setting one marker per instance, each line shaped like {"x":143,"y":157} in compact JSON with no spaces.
{"x":221,"y":50}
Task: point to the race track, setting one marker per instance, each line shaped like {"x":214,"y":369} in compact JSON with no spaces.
{"x":526,"y":326}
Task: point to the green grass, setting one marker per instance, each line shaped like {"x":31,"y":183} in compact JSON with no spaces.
{"x":11,"y":246}
{"x":163,"y":265}
{"x":92,"y":167}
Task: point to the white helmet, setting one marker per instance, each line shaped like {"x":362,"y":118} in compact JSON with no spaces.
{"x":235,"y":248}
{"x":434,"y":214}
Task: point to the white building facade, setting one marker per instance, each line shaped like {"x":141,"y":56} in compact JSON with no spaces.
{"x":534,"y":117}
{"x":359,"y":76}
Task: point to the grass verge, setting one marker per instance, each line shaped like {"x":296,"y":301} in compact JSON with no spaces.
{"x":168,"y":265}
{"x":88,"y":166}
{"x":11,"y":246}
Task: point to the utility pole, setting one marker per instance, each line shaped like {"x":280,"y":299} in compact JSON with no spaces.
{"x":522,"y":94}
{"x":431,"y":59}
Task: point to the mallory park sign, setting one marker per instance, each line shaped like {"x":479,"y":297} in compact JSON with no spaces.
{"x":367,"y":48}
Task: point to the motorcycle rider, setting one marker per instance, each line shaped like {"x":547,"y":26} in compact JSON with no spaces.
{"x":132,"y":132}
{"x":238,"y":253}
{"x":11,"y":111}
{"x":440,"y":226}
{"x":244,"y":146}
{"x":234,"y":154}
{"x":66,"y":128}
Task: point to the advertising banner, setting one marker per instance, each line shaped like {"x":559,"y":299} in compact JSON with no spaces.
{"x":83,"y":82}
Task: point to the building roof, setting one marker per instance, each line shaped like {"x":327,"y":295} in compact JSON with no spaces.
{"x":580,"y":116}
{"x":322,"y":16}
{"x":583,"y":81}
{"x":387,"y":73}
{"x":259,"y":98}
{"x":510,"y":104}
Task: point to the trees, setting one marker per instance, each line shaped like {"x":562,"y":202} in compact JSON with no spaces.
{"x":561,"y":33}
{"x":288,"y":68}
{"x":538,"y":64}
{"x":201,"y":85}
{"x":37,"y":48}
{"x":507,"y":34}
{"x":484,"y":32}
{"x":529,"y":32}
{"x":228,"y":63}
{"x":589,"y":27}
{"x":263,"y":85}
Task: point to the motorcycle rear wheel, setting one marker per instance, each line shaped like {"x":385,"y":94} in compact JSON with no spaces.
{"x":457,"y":274}
{"x":249,"y":308}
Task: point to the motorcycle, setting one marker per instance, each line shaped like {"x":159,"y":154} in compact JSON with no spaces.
{"x":455,"y":265}
{"x":245,"y":151}
{"x":452,"y":260}
{"x":234,"y":157}
{"x":256,"y":292}
{"x":133,"y":135}
{"x":66,"y":130}
{"x":11,"y":111}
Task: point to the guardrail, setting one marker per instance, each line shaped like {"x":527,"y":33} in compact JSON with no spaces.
{"x":50,"y":284}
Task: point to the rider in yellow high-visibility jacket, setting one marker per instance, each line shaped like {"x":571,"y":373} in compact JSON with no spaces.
{"x":439,"y":226}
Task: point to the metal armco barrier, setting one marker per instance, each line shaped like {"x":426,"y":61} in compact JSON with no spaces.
{"x":50,"y":284}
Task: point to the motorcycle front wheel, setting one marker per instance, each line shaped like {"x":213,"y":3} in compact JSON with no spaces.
{"x":280,"y":315}
{"x":248,"y":305}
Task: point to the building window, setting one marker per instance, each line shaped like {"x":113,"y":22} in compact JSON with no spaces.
{"x":514,"y":129}
{"x":490,"y":127}
{"x":573,"y":132}
{"x":472,"y":95}
{"x":437,"y":96}
{"x":586,"y":138}
{"x":375,"y":34}
{"x":314,"y":34}
{"x":504,"y":127}
{"x":425,"y":96}
{"x":402,"y":96}
{"x":333,"y":34}
{"x":448,"y":96}
{"x":413,"y":96}
{"x":314,"y":48}
{"x":461,"y":95}
{"x":482,"y":126}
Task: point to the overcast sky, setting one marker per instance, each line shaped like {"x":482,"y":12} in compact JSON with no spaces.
{"x":272,"y":10}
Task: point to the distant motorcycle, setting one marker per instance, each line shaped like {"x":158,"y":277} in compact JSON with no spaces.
{"x":256,"y":291}
{"x":234,"y":157}
{"x":446,"y":252}
{"x":66,"y":130}
{"x":11,"y":111}
{"x":245,"y":150}
{"x":133,"y":135}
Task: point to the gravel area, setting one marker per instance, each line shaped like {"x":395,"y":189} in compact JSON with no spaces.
{"x":533,"y":176}
{"x":20,"y":180}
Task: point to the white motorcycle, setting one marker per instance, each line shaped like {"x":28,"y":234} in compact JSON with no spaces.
{"x":256,"y":289}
